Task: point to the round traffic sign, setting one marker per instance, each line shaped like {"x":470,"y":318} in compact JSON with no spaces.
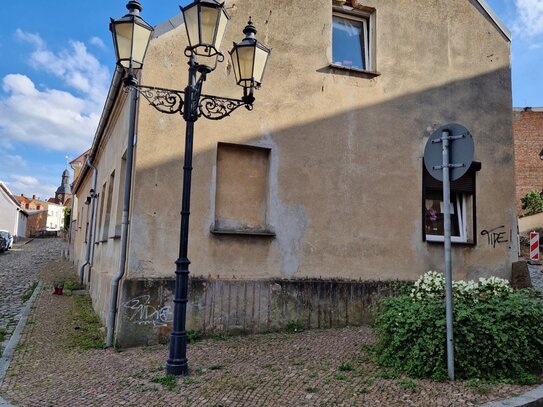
{"x":461,"y":151}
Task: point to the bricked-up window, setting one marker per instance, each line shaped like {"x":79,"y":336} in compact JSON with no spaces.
{"x":101,"y":199}
{"x":105,"y":230}
{"x":352,"y":39}
{"x":120,"y":198}
{"x":242,"y":189}
{"x":463,"y":219}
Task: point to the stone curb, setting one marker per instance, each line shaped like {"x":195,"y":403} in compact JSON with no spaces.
{"x":533,"y":398}
{"x":5,"y":360}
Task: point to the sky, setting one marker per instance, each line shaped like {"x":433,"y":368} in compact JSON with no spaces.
{"x":57,"y":61}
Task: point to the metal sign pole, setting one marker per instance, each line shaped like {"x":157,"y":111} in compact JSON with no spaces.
{"x":445,"y":136}
{"x":457,"y":146}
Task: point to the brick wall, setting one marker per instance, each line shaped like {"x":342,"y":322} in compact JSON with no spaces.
{"x":528,"y":131}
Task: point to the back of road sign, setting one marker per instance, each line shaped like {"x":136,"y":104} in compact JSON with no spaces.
{"x":461,"y":151}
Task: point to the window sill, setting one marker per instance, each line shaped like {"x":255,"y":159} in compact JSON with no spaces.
{"x":241,"y":232}
{"x":115,"y":237}
{"x":361,"y":72}
{"x":454,"y":240}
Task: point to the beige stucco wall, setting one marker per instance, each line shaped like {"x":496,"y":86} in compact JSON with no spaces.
{"x":346,"y":150}
{"x":105,"y":253}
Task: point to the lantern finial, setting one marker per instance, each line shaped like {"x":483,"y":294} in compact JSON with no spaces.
{"x":250,"y":29}
{"x":134,"y":7}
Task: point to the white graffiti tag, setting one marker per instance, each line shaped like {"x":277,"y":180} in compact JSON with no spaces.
{"x":142,"y":313}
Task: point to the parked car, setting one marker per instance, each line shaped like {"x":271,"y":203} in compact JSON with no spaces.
{"x":3,"y":244}
{"x":8,"y":237}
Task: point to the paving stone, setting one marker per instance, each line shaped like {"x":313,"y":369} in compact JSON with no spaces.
{"x":18,"y":270}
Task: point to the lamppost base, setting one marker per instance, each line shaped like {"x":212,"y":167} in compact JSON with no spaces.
{"x":181,"y":369}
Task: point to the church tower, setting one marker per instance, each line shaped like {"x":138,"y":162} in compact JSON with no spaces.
{"x":64,"y":192}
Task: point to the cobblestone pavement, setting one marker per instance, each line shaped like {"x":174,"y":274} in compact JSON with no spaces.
{"x":312,"y":368}
{"x":536,"y":275}
{"x":18,"y":270}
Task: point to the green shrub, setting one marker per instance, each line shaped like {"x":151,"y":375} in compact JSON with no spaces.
{"x":532,"y":203}
{"x":497,"y":337}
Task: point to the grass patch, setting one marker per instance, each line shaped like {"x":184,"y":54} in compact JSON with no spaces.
{"x":29,"y":291}
{"x":479,"y":386}
{"x":3,"y":334}
{"x":294,"y":327}
{"x":86,"y":325}
{"x":216,"y":367}
{"x":72,"y":284}
{"x":220,"y":337}
{"x":386,"y":374}
{"x":193,"y":336}
{"x":167,"y":381}
{"x":311,"y":389}
{"x":407,"y":384}
{"x":340,"y":376}
{"x":345,"y":367}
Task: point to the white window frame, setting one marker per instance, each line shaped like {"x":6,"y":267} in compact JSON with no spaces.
{"x":462,"y":216}
{"x":368,"y":24}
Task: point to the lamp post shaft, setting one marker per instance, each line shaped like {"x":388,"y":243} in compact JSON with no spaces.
{"x":177,"y":363}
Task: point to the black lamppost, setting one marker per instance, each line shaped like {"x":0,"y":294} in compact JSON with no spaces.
{"x":205,"y":22}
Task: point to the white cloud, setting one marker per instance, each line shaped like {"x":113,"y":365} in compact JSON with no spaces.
{"x":77,"y":67}
{"x":24,"y":184}
{"x":15,"y":161}
{"x":31,"y":38}
{"x":529,"y":21}
{"x":51,"y":118}
{"x":55,"y":119}
{"x":97,"y":42}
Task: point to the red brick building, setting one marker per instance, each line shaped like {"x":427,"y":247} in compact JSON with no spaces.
{"x":528,"y":132}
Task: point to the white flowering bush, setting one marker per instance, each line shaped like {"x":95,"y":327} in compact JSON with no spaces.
{"x":497,"y":331}
{"x":431,"y":285}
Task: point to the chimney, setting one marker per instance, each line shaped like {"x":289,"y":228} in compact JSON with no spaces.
{"x":33,"y":196}
{"x":23,"y":195}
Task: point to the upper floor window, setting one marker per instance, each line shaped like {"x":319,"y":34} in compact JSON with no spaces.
{"x":352,"y":42}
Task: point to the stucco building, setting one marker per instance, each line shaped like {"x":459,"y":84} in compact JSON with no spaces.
{"x":13,"y":217}
{"x":303,"y":208}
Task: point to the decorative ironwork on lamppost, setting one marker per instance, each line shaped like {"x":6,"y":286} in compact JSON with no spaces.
{"x":205,"y":22}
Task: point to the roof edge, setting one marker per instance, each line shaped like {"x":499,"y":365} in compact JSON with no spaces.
{"x":528,"y":109}
{"x":104,"y":119}
{"x":494,"y":17}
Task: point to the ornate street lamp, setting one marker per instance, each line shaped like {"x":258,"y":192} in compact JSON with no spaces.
{"x":205,"y":22}
{"x":131,"y":36}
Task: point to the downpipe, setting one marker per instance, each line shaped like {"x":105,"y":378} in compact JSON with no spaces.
{"x":130,"y":80}
{"x":90,"y":229}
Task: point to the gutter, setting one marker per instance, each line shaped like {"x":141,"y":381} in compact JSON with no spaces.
{"x":90,"y":229}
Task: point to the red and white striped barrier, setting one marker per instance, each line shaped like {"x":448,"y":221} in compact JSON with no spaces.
{"x":534,"y":246}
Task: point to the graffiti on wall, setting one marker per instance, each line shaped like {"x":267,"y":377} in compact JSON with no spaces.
{"x":497,"y":236}
{"x":141,"y":312}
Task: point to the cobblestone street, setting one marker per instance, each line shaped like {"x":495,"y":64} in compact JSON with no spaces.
{"x":311,"y":368}
{"x":18,"y":271}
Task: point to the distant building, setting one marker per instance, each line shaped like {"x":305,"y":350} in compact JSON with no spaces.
{"x":13,"y":217}
{"x":528,"y":133}
{"x":43,"y":216}
{"x":77,"y":164}
{"x":63,"y":194}
{"x":31,"y":204}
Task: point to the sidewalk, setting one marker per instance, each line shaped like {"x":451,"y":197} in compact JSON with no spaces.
{"x":313,"y":368}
